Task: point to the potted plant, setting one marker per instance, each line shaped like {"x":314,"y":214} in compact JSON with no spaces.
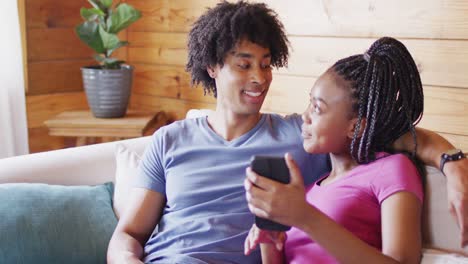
{"x":107,"y":85}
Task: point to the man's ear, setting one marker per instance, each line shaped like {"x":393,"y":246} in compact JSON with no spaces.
{"x":352,"y":127}
{"x":211,"y":71}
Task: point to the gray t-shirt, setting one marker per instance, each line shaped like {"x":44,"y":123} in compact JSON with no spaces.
{"x":206,"y":218}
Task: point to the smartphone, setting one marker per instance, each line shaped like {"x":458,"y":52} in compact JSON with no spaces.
{"x":274,"y":168}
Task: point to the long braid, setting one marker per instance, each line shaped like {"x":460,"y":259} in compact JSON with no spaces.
{"x":387,"y":92}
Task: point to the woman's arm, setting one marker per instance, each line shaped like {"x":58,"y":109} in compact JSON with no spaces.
{"x":401,"y":227}
{"x":430,"y":148}
{"x":271,"y":244}
{"x":271,"y":255}
{"x":401,"y":237}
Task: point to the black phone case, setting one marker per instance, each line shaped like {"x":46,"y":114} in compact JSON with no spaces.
{"x":274,"y":168}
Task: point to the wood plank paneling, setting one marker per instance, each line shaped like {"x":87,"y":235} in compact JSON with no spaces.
{"x":168,"y":15}
{"x":445,"y":109}
{"x":175,"y":108}
{"x":157,"y":80}
{"x":312,"y":56}
{"x":283,"y":99}
{"x":435,"y":32}
{"x":441,"y":62}
{"x":167,"y":81}
{"x":53,"y":13}
{"x":122,"y":53}
{"x":155,"y":15}
{"x":56,"y":44}
{"x":158,"y":48}
{"x":41,"y":107}
{"x":431,"y":19}
{"x":288,"y":94}
{"x":62,"y":44}
{"x":368,"y":18}
{"x":40,"y":140}
{"x":182,"y":13}
{"x":196,"y":94}
{"x":460,"y":141}
{"x":56,"y":76}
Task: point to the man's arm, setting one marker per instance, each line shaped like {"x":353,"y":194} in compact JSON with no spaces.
{"x":136,"y":224}
{"x":430,"y":148}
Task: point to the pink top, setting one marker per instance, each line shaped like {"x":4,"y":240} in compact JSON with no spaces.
{"x":354,"y":202}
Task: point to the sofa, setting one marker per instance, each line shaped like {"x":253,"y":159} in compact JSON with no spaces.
{"x":30,"y":183}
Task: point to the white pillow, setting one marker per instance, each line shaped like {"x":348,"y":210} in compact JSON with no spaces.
{"x":431,"y":256}
{"x":126,"y":167}
{"x":194,"y":113}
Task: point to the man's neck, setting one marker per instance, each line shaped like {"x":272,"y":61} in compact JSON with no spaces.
{"x":230,"y":126}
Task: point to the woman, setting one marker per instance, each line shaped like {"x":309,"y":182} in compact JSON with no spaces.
{"x":368,"y":208}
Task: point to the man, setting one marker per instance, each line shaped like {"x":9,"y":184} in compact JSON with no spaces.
{"x":190,"y":183}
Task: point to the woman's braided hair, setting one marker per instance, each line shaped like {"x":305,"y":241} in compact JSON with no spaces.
{"x":221,"y":28}
{"x":386,"y":90}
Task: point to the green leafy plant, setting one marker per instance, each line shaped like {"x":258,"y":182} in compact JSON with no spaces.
{"x":101,"y":25}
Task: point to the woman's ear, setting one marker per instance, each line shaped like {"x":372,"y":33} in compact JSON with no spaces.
{"x":211,"y":72}
{"x":352,"y":127}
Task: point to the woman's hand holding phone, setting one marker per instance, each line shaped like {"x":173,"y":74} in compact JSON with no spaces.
{"x":273,"y":168}
{"x":282,"y":203}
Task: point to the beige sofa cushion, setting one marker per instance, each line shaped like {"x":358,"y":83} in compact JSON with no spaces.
{"x":127,"y":161}
{"x":439,"y":228}
{"x":431,"y":256}
{"x":126,"y":167}
{"x":86,"y":165}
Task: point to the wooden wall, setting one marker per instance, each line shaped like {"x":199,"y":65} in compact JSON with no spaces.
{"x":158,"y":52}
{"x":435,"y":32}
{"x":321,"y":32}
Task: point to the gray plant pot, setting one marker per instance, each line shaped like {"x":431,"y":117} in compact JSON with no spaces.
{"x":107,"y":91}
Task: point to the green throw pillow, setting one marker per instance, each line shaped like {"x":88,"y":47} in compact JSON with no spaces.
{"x":43,"y":223}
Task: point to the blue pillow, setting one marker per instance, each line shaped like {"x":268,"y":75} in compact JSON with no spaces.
{"x":43,"y":223}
